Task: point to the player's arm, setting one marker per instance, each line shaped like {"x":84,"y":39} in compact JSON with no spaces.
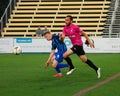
{"x":63,"y":33}
{"x":50,"y":58}
{"x":88,"y":39}
{"x":61,"y":37}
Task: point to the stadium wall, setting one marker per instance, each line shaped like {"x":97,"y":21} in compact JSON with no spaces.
{"x":41,"y":45}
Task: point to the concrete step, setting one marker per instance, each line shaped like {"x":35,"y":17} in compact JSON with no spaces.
{"x":115,"y":30}
{"x":116,"y":25}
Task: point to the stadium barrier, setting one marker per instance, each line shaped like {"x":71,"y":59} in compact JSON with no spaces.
{"x":41,"y":45}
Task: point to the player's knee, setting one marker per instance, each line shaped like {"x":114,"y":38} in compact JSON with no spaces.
{"x":54,"y":66}
{"x":65,"y":56}
{"x":83,"y":58}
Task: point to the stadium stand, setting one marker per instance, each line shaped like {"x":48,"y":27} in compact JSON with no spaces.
{"x":27,"y":15}
{"x":112,"y":25}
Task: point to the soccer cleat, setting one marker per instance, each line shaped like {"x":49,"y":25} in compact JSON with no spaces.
{"x":70,"y":71}
{"x":58,"y":75}
{"x":98,"y":73}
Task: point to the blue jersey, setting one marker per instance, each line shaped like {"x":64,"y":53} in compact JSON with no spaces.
{"x":58,"y":44}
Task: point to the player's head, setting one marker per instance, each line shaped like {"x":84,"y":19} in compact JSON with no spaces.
{"x":68,"y":20}
{"x":47,"y":35}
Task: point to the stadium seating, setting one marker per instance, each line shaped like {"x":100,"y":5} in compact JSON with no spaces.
{"x":27,"y":15}
{"x":112,"y":25}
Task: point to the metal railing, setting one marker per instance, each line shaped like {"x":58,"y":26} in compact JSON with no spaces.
{"x":7,"y":12}
{"x":113,"y":16}
{"x":112,"y":35}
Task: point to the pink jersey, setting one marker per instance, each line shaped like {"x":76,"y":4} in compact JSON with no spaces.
{"x":74,"y":33}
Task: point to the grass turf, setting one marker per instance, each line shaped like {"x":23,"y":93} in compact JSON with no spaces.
{"x":26,"y":75}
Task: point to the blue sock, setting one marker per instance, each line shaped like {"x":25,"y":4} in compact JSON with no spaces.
{"x":58,"y":70}
{"x":60,"y":66}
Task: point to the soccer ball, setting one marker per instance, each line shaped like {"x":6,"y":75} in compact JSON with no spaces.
{"x":17,"y":50}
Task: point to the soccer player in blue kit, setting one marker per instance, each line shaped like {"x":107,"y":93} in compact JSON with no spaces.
{"x":57,"y":57}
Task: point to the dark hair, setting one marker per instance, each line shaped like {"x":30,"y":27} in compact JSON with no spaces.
{"x":46,"y":32}
{"x":71,"y":18}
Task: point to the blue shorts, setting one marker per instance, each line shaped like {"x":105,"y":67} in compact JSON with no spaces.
{"x":59,"y":56}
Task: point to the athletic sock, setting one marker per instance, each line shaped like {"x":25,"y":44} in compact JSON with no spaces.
{"x":60,"y":66}
{"x":58,"y":70}
{"x":69,"y":61}
{"x":90,"y":63}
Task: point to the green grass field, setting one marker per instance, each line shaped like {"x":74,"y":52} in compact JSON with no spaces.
{"x":26,"y":75}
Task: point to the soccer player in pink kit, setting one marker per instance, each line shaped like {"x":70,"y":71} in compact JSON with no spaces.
{"x":74,"y":33}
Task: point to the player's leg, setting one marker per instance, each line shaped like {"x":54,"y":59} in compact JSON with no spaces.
{"x":57,"y":65}
{"x":81,"y":53}
{"x":91,"y":64}
{"x":54,"y":65}
{"x":67,"y":53}
{"x":69,"y":61}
